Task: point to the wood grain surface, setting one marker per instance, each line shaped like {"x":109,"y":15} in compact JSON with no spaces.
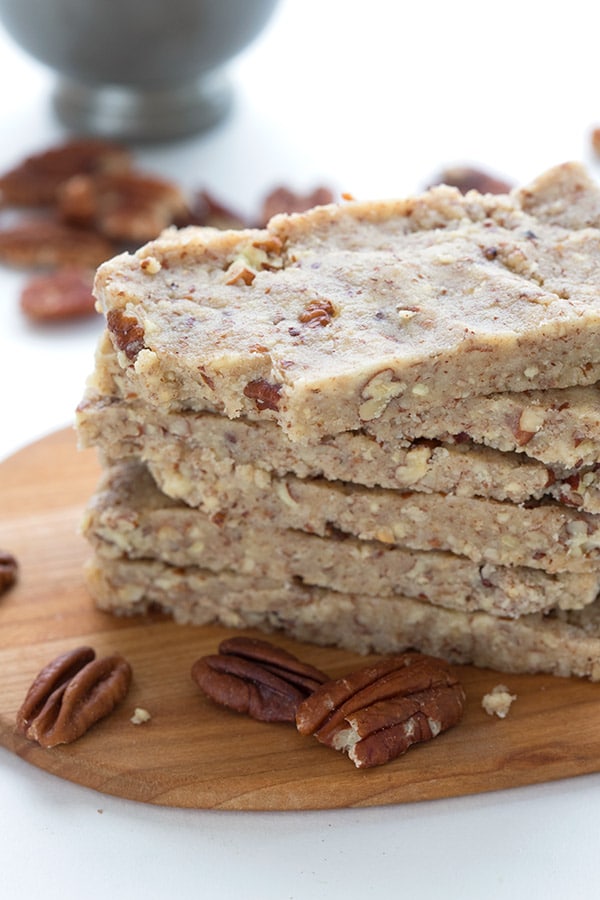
{"x":194,"y":754}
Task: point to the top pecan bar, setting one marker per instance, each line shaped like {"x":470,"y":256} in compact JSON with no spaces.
{"x":324,"y":318}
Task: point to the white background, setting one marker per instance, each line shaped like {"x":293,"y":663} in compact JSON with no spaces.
{"x":374,"y":99}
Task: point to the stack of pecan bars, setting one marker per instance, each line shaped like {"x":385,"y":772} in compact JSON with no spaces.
{"x":372,"y":425}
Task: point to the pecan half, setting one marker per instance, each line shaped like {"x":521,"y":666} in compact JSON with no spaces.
{"x":206,"y":210}
{"x":467,"y":178}
{"x":257,"y":678}
{"x":63,"y":294}
{"x":70,"y":695}
{"x":36,"y":180}
{"x":46,"y":243}
{"x":125,"y":206}
{"x":284,"y":200}
{"x":8,"y":570}
{"x":376,"y":713}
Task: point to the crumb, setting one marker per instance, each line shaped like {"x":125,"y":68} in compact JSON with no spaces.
{"x":140,"y":716}
{"x":100,"y":811}
{"x":150,"y":265}
{"x":595,"y":141}
{"x":498,"y":701}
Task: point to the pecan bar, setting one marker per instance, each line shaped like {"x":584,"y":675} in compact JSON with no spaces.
{"x":564,"y":643}
{"x":542,"y":535}
{"x":125,"y":428}
{"x":430,"y":299}
{"x":129,"y":516}
{"x":559,"y":428}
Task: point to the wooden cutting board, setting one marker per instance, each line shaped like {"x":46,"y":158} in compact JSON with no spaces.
{"x":194,"y":754}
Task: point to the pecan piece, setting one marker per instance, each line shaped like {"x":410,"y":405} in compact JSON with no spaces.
{"x":256,"y":677}
{"x":376,"y":713}
{"x":317,"y":312}
{"x":70,"y":695}
{"x":127,"y":332}
{"x":8,"y":570}
{"x":36,"y":181}
{"x":264,"y":394}
{"x":63,"y":294}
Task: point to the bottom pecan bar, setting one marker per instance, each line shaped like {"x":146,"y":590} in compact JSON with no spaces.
{"x":376,"y":713}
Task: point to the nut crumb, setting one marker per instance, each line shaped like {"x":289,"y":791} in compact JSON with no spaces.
{"x":140,"y":716}
{"x":150,"y":265}
{"x":498,"y":701}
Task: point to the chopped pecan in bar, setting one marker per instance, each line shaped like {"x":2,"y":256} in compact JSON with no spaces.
{"x":264,"y":394}
{"x":127,"y":332}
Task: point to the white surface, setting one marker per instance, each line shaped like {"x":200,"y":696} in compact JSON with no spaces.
{"x":372,"y":98}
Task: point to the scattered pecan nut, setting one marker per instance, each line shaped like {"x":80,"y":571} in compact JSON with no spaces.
{"x":376,"y":713}
{"x":8,"y":570}
{"x":124,"y":206}
{"x":45,"y":243}
{"x":283,"y":200}
{"x":468,"y":178}
{"x":63,"y":294}
{"x":36,"y":181}
{"x":70,"y":695}
{"x":205,"y":210}
{"x":257,"y":678}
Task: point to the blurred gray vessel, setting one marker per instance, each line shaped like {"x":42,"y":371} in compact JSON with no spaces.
{"x":137,"y":69}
